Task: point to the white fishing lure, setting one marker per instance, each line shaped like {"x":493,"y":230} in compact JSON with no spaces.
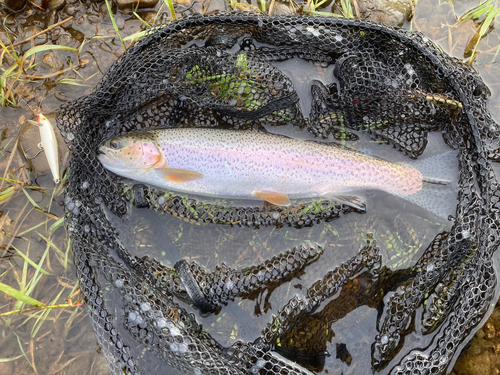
{"x":49,"y":145}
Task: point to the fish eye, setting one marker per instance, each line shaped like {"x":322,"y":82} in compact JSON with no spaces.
{"x":115,"y":144}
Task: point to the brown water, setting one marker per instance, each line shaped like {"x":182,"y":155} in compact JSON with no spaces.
{"x":61,"y":340}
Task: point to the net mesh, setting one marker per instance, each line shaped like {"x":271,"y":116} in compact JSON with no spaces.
{"x":217,"y":71}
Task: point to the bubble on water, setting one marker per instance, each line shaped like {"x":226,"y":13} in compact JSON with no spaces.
{"x":67,"y":199}
{"x":85,"y":185}
{"x":339,"y":38}
{"x":70,"y":136}
{"x":119,"y":283}
{"x":174,"y":347}
{"x":70,"y":206}
{"x":430,"y":267}
{"x":86,"y":228}
{"x":229,"y":285}
{"x":161,"y":200}
{"x":197,"y":371}
{"x":384,"y":339}
{"x":146,"y":306}
{"x":183,"y":348}
{"x":162,"y":323}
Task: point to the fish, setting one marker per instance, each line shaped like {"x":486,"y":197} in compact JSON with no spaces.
{"x":50,"y":146}
{"x":238,"y":164}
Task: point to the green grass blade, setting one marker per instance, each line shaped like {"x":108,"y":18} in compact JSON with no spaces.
{"x":20,"y":296}
{"x":170,"y":7}
{"x":43,"y":316}
{"x":10,"y":359}
{"x":478,"y":11}
{"x":56,"y":225}
{"x":29,"y":260}
{"x":31,"y":199}
{"x":46,"y":47}
{"x":134,"y":36}
{"x":22,"y":350}
{"x":29,"y":230}
{"x":140,"y":19}
{"x":49,"y":242}
{"x":114,"y":24}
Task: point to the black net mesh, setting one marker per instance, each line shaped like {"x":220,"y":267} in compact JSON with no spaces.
{"x":220,"y":71}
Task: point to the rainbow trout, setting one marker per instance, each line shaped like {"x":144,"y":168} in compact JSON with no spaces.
{"x":251,"y":165}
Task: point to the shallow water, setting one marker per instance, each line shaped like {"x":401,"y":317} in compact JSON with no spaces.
{"x":65,"y":343}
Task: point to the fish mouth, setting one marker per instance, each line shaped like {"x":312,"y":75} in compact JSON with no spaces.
{"x":105,"y":157}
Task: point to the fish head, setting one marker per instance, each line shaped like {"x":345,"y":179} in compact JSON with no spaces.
{"x":130,"y":152}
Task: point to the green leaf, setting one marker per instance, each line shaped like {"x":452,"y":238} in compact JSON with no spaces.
{"x":20,"y":296}
{"x":56,"y":225}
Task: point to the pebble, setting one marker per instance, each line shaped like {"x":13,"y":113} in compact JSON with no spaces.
{"x":64,"y":40}
{"x":389,"y":12}
{"x":280,"y":9}
{"x":71,"y":10}
{"x":57,"y":4}
{"x":14,"y":5}
{"x":50,"y":61}
{"x":129,"y":4}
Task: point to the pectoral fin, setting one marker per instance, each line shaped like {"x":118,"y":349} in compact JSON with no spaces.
{"x":273,"y":197}
{"x":350,"y":200}
{"x":178,"y":175}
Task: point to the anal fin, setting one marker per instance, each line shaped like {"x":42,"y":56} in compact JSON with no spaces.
{"x":273,"y":197}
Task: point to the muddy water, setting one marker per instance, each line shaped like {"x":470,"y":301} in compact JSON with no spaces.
{"x":60,"y":340}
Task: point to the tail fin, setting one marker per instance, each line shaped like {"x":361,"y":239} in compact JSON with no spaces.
{"x":440,"y":188}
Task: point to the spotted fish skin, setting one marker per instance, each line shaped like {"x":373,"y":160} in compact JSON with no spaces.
{"x":243,"y":164}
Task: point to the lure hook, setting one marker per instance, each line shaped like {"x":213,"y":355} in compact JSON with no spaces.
{"x":34,"y":156}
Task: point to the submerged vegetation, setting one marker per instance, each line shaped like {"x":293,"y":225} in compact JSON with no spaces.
{"x":39,"y":300}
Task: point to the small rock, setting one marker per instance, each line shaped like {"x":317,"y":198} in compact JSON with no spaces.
{"x":50,"y":61}
{"x":55,"y":34}
{"x":52,"y":17}
{"x":389,"y":12}
{"x":281,"y":9}
{"x":6,"y":38}
{"x":57,"y":4}
{"x":71,"y":9}
{"x":103,"y":10}
{"x":8,"y":20}
{"x":149,"y":17}
{"x":64,"y":40}
{"x":93,"y":19}
{"x":39,"y":40}
{"x":129,"y":4}
{"x":14,"y":5}
{"x":489,"y":331}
